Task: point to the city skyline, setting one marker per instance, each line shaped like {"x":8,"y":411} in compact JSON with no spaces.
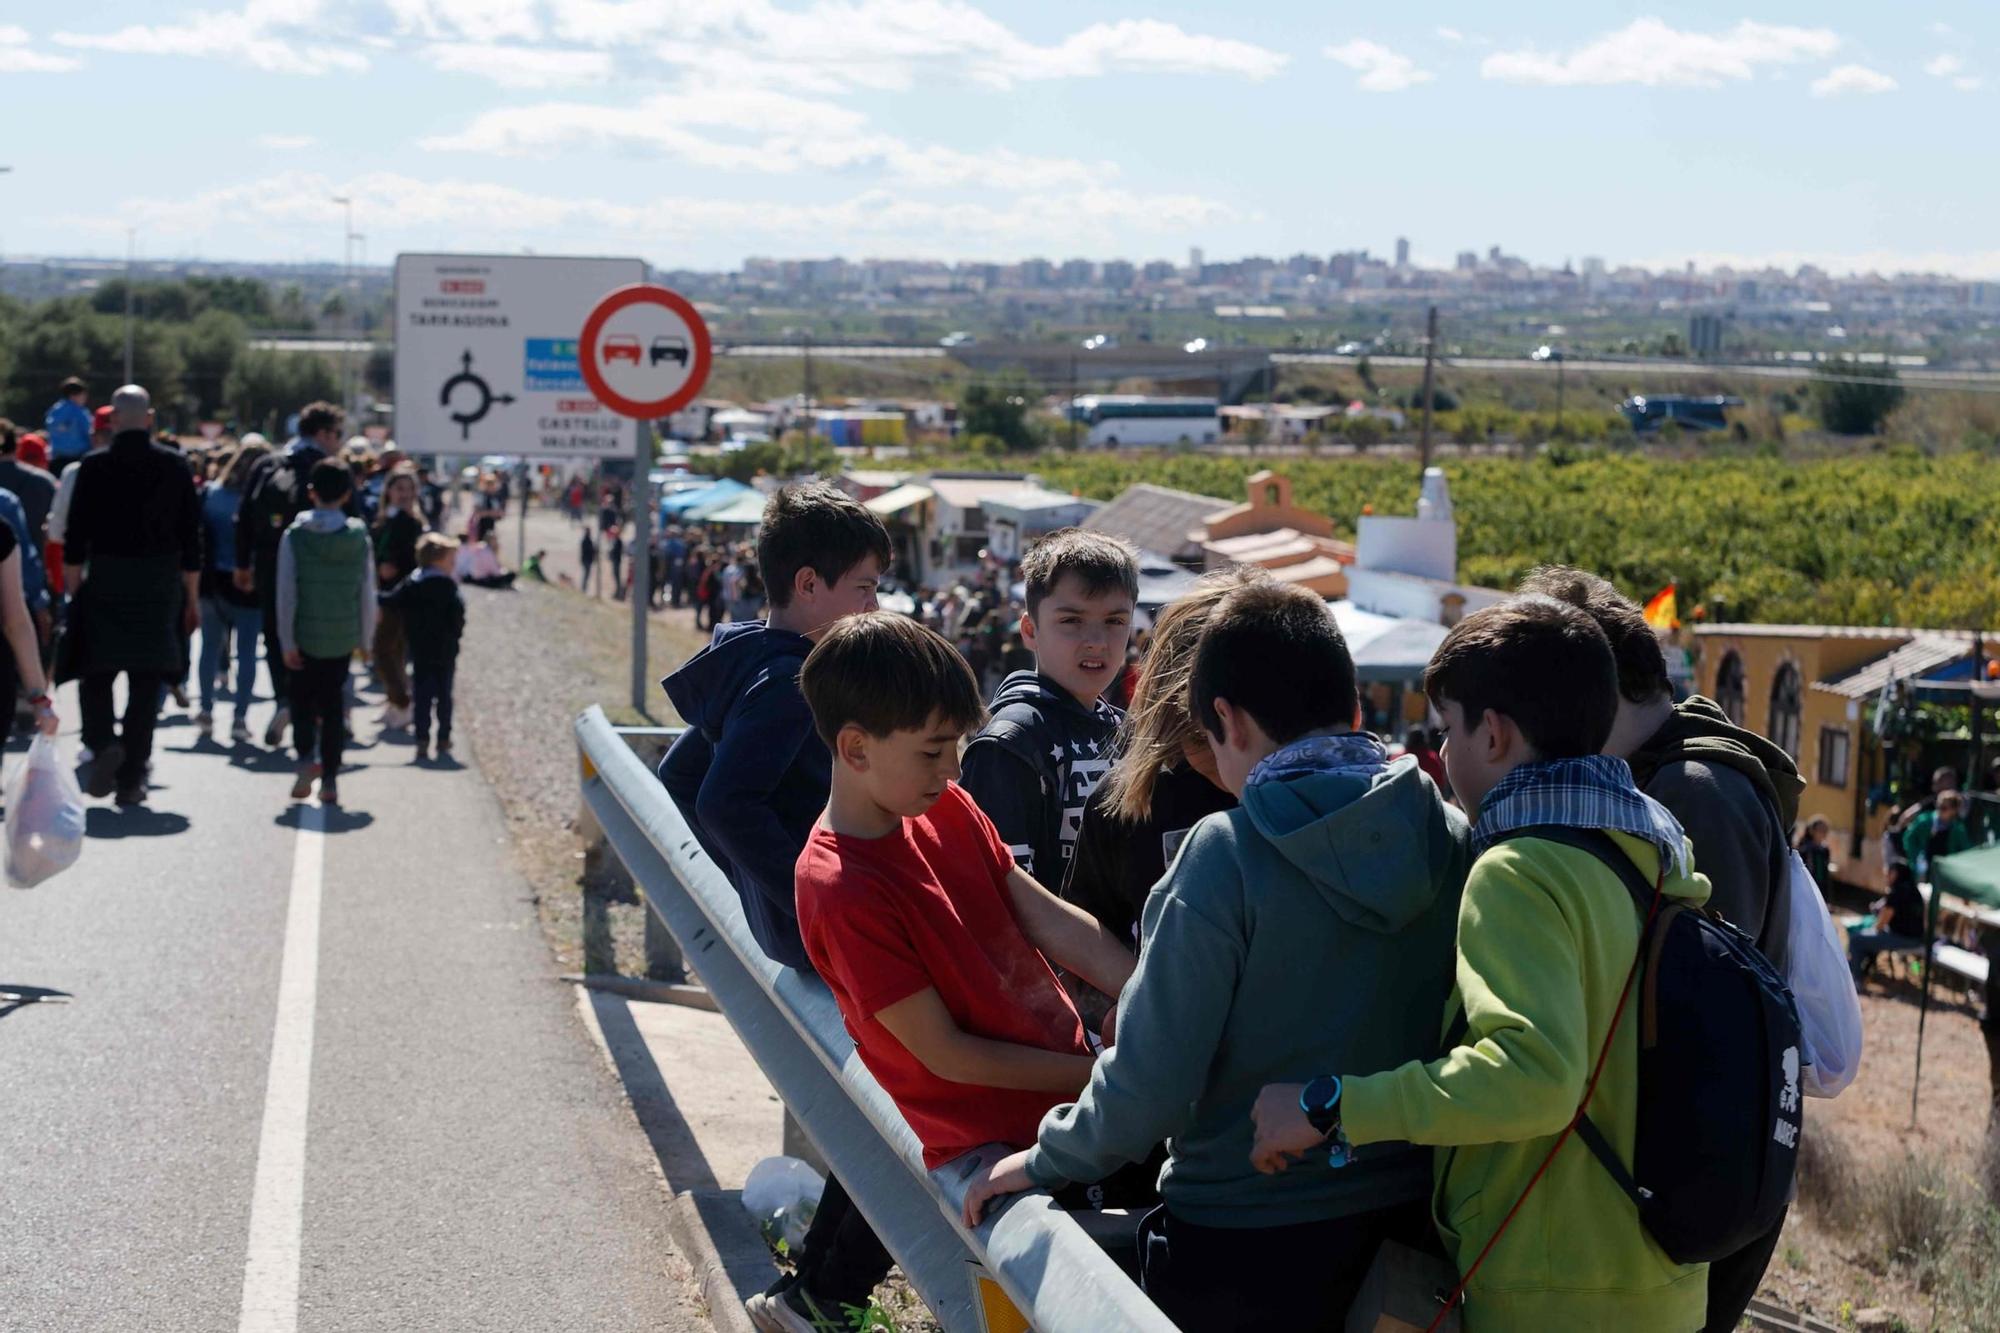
{"x":1784,"y":134}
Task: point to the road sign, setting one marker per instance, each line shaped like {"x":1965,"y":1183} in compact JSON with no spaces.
{"x":486,"y":355}
{"x":644,"y":351}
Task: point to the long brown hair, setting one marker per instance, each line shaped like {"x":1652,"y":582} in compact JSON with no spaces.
{"x":233,"y":468}
{"x":1159,"y":725}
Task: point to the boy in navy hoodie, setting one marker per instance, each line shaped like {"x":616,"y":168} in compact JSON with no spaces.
{"x":1033,"y":766}
{"x":752,"y":776}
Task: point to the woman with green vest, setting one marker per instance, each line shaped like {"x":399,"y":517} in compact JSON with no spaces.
{"x":326,"y":609}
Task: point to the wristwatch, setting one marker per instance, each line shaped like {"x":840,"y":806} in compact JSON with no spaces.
{"x":1320,"y":1100}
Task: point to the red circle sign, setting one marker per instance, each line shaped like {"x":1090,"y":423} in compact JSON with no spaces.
{"x":665,"y":353}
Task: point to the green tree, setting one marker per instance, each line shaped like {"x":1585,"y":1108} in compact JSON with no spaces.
{"x":209,"y":347}
{"x":265,"y":387}
{"x":998,"y":408}
{"x":1852,"y":399}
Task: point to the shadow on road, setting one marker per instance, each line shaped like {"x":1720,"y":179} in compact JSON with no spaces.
{"x":101,"y":821}
{"x":681,"y":1159}
{"x":333,"y":819}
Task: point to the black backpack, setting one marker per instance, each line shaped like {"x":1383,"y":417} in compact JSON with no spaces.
{"x":1719,"y":1050}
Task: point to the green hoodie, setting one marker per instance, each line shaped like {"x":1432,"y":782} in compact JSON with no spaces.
{"x":1546,"y":937}
{"x":1309,"y":930}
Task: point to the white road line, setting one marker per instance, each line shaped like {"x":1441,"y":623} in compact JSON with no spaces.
{"x":277,"y":1203}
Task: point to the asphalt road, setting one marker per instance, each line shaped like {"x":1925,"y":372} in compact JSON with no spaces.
{"x":468,"y":1160}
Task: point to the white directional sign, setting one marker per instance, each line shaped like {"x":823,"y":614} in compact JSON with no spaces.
{"x":487,"y":355}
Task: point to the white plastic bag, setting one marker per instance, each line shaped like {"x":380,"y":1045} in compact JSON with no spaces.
{"x":782,"y":1193}
{"x":44,"y":817}
{"x":1823,"y":985}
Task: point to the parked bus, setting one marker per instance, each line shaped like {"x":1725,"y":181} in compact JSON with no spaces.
{"x":1128,"y":419}
{"x":1652,"y":411}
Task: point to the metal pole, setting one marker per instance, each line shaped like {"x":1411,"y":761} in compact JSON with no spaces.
{"x":521,"y":540}
{"x":1430,"y":358}
{"x":131,"y":242}
{"x":1559,"y":393}
{"x":640,"y":551}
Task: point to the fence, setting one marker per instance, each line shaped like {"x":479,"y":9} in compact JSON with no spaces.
{"x":1058,"y":1278}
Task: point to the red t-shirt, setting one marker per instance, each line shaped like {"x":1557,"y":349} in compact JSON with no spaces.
{"x":882,"y":918}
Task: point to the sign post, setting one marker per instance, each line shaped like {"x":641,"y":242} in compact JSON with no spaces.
{"x":645,"y":353}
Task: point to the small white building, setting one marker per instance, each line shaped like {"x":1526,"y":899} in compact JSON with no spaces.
{"x":1408,"y":567}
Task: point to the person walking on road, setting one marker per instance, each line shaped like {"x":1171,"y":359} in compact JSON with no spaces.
{"x":21,"y":668}
{"x":32,"y":485}
{"x":68,"y":424}
{"x":586,"y":556}
{"x":434,"y":616}
{"x":227,"y":612}
{"x":274,"y":495}
{"x":132,"y":557}
{"x":326,"y":610}
{"x":398,"y":525}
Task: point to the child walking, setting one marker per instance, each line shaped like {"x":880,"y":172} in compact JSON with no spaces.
{"x":326,"y":609}
{"x":434,"y":620}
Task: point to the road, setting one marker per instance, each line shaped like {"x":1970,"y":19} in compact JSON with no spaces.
{"x":317,"y":1073}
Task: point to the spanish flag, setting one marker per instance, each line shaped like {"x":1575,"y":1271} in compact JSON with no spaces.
{"x":1662,"y":612}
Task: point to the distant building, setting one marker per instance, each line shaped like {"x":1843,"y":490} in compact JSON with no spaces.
{"x":1705,"y":334}
{"x":1468,"y":261}
{"x":1408,"y":567}
{"x":1078,"y":273}
{"x":1402,"y":252}
{"x":1118,"y":274}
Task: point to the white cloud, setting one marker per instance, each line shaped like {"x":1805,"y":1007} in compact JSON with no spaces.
{"x":520,"y":66}
{"x":1952,"y":69}
{"x":1844,"y":79}
{"x":1381,"y":70}
{"x":1147,"y":44}
{"x":1648,"y":52}
{"x":1449,"y":34}
{"x":18,"y":57}
{"x":756,"y":130}
{"x":480,"y":20}
{"x":404,"y":211}
{"x":249,"y":36}
{"x":286,"y":143}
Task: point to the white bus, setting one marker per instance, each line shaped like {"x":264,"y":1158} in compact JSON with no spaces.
{"x":1130,"y":419}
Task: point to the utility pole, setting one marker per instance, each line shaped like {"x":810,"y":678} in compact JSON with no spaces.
{"x":807,"y":343}
{"x":131,"y":243}
{"x":1072,"y":402}
{"x":1430,"y":361}
{"x":1559,"y":391}
{"x":347,"y":300}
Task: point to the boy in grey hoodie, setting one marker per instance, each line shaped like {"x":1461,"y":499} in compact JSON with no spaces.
{"x":1313,"y":924}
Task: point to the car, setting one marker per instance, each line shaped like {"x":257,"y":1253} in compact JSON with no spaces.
{"x":621,"y":347}
{"x":669,"y":349}
{"x":1546,"y":353}
{"x":958,"y":339}
{"x":1351,"y":349}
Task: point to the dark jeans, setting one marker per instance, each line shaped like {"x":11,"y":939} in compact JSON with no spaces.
{"x":1295,"y":1278}
{"x":318,"y":722}
{"x":841,"y":1261}
{"x":432,"y":687}
{"x":142,"y":710}
{"x":1732,"y":1281}
{"x":274,"y":648}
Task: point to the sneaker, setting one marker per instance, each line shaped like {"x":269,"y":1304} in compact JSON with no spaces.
{"x":134,"y":794}
{"x":302,"y":785}
{"x":274,"y":734}
{"x":240,"y":731}
{"x":100,"y":775}
{"x":444,"y":749}
{"x":329,"y":794}
{"x":423,"y":752}
{"x":205,"y":720}
{"x":180,"y":693}
{"x":789,"y":1308}
{"x":396,"y":719}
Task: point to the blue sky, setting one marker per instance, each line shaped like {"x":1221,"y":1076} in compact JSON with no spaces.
{"x":696,"y":132}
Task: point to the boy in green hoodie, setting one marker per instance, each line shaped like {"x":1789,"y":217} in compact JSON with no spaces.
{"x":1546,"y":938}
{"x":1309,"y":929}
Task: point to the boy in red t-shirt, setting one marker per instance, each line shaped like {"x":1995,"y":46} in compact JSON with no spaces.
{"x":936,"y":946}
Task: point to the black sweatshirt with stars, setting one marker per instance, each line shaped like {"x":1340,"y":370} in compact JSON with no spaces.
{"x":1033,"y":766}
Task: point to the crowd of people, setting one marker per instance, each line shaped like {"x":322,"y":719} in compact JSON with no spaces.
{"x":1343,"y":998}
{"x":327,"y":551}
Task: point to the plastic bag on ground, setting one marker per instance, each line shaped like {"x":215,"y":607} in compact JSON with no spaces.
{"x":782,"y":1193}
{"x":1823,"y":985}
{"x":44,"y":817}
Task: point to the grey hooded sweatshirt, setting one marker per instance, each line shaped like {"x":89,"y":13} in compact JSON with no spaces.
{"x":1308,"y":932}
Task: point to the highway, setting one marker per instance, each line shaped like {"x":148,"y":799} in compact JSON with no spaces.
{"x":316,"y":1073}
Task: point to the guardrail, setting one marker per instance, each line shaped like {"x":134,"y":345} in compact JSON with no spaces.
{"x":1058,"y":1278}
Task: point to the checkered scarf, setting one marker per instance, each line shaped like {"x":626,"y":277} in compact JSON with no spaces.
{"x":1596,"y":791}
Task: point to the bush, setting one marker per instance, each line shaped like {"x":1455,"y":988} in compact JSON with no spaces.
{"x":1364,"y":431}
{"x":1853,"y":399}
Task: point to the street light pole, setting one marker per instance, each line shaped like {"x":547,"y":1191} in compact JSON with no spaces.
{"x":347,"y":283}
{"x":131,"y":243}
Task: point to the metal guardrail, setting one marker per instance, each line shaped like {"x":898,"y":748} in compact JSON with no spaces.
{"x":1056,"y":1275}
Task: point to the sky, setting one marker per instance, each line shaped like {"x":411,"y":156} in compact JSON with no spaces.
{"x":694,"y":133}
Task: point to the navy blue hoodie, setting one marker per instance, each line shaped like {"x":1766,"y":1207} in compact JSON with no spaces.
{"x":750,"y":773}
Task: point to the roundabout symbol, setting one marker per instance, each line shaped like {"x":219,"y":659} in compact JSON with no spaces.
{"x":486,"y":397}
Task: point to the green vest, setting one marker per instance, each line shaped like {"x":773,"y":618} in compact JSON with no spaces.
{"x":329,"y":566}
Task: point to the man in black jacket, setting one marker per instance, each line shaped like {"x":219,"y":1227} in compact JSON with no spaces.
{"x":273,"y":495}
{"x":132,"y":560}
{"x":1737,"y":796}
